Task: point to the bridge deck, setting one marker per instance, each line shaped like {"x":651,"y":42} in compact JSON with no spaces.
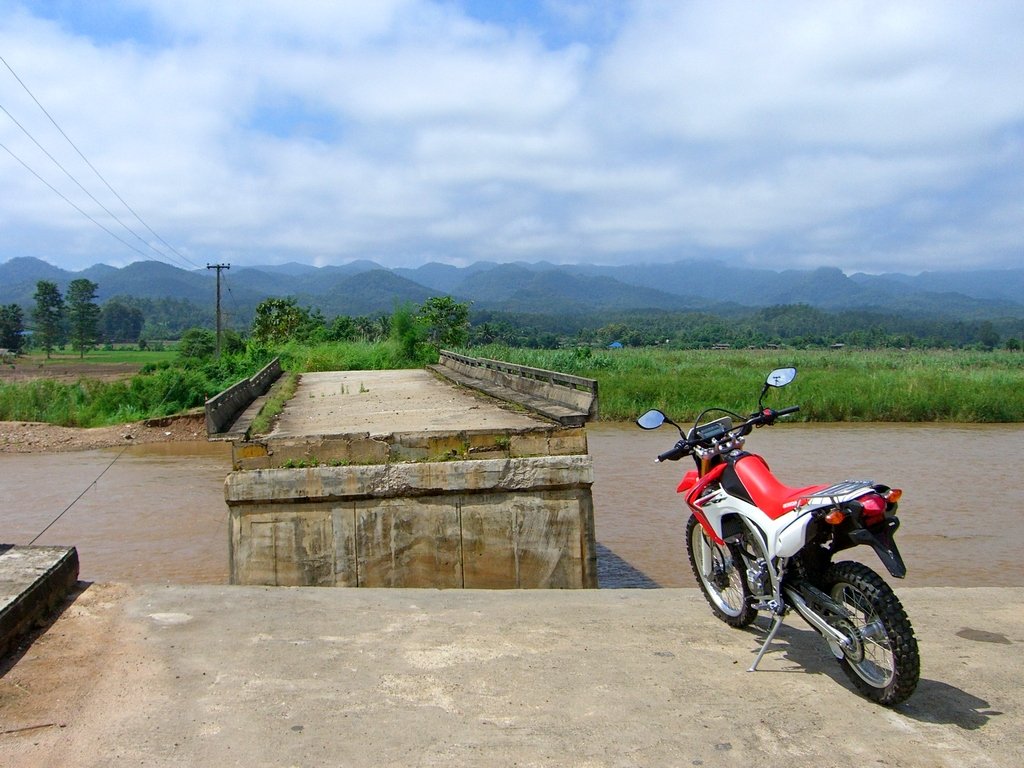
{"x":388,"y":402}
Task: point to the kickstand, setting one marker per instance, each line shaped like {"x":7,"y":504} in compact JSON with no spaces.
{"x":767,"y":641}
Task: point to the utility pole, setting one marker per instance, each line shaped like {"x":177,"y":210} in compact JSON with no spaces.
{"x":218,"y":267}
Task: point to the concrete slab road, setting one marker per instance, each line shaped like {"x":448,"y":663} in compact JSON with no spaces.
{"x":250,"y":676}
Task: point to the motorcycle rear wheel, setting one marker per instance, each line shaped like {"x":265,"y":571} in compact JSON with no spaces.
{"x":883,"y":663}
{"x":721,"y":576}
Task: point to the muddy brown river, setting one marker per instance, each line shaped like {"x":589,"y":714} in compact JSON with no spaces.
{"x":157,"y":515}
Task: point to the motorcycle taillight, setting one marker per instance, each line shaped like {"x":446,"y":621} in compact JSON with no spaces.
{"x":874,"y":508}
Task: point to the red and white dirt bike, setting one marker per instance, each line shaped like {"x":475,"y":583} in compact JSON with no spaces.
{"x":757,"y":545}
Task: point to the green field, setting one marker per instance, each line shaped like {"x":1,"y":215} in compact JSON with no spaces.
{"x":839,"y":385}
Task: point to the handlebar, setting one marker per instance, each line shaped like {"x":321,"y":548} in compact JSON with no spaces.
{"x":763,"y":418}
{"x":675,"y":453}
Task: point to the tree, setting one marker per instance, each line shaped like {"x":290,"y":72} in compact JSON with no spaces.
{"x":446,"y":321}
{"x":281,"y":320}
{"x":988,"y":337}
{"x":11,"y":328}
{"x":197,"y":344}
{"x":48,"y":315}
{"x":121,"y":322}
{"x":406,"y":331}
{"x":83,"y":314}
{"x":342,"y":328}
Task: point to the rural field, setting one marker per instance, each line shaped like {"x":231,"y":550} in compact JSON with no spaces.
{"x":101,"y":365}
{"x":118,"y":386}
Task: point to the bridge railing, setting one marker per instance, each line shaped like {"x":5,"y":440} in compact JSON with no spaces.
{"x":574,"y":392}
{"x":223,"y":408}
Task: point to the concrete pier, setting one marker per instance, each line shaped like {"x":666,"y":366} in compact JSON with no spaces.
{"x":403,"y":479}
{"x":33,"y":580}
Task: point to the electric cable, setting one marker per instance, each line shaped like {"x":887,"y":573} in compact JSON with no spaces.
{"x":70,"y":202}
{"x":93,"y":168}
{"x":93,"y":483}
{"x":79,"y":184}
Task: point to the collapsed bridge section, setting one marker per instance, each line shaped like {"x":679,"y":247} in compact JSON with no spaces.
{"x":405,"y":479}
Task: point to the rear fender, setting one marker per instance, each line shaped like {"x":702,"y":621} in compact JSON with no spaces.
{"x":880,"y":538}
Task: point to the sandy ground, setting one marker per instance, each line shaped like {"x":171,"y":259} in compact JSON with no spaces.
{"x":35,"y":437}
{"x":65,"y":370}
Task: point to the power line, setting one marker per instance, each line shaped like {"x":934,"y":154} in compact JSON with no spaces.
{"x":71,"y":203}
{"x":68,"y":173}
{"x":94,"y":170}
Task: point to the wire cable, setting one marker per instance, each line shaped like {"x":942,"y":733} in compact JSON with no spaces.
{"x":87,"y":489}
{"x":71,"y":203}
{"x":92,"y":197}
{"x":101,"y":474}
{"x":94,"y":170}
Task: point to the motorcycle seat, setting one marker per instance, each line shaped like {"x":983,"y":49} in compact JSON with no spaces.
{"x":766,"y":492}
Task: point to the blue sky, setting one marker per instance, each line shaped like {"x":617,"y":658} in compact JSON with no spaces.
{"x":870,"y":136}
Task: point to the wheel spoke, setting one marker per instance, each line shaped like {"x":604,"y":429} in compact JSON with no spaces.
{"x":874,"y":660}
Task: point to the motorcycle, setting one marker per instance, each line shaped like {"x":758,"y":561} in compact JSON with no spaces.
{"x":755,"y":545}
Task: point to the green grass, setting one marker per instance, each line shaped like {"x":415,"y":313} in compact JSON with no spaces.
{"x":349,"y":356}
{"x":281,"y":393}
{"x":127,"y":355}
{"x":845,"y":385}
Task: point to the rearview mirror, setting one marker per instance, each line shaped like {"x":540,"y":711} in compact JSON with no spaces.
{"x":651,"y":420}
{"x":780,"y":377}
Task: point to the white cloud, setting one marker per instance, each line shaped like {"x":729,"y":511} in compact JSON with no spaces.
{"x":331,"y":131}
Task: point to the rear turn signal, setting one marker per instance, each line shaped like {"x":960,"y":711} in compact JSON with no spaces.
{"x":893,"y":495}
{"x":835,"y":517}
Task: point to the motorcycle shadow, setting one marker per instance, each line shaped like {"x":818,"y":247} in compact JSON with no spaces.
{"x":801,"y":650}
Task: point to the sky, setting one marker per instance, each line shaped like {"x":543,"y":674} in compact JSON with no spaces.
{"x":871,"y":136}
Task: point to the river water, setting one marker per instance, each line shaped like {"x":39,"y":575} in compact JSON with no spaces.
{"x":157,"y":515}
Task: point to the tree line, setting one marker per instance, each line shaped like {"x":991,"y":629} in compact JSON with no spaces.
{"x":76,"y":318}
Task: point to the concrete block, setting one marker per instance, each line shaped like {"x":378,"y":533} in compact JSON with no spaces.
{"x":408,"y":543}
{"x":493,"y":523}
{"x":285,"y":548}
{"x":33,"y":581}
{"x":512,"y":542}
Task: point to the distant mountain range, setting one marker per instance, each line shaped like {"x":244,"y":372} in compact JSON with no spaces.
{"x":366,"y":288}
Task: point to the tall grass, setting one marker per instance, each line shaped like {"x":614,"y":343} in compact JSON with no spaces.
{"x":91,"y":403}
{"x":166,"y":385}
{"x":847,"y":385}
{"x":352,"y":356}
{"x":841,"y":385}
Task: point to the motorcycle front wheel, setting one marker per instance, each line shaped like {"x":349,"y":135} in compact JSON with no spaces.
{"x":883,"y":661}
{"x":720,"y":573}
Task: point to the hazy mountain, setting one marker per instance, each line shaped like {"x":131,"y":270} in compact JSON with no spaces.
{"x":444,"y":277}
{"x":374,"y":292}
{"x":363,"y":287}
